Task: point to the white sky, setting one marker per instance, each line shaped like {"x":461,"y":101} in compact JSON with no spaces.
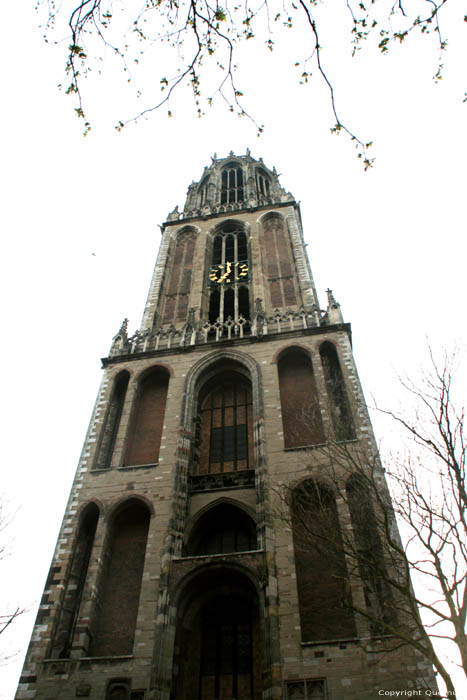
{"x":79,"y":220}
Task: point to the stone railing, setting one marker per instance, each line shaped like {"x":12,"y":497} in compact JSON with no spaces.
{"x":193,"y":333}
{"x":244,"y":478}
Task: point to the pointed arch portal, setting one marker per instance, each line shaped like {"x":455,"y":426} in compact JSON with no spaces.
{"x":218,"y":642}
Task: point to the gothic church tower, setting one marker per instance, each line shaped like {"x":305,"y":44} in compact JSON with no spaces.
{"x":174,"y":577}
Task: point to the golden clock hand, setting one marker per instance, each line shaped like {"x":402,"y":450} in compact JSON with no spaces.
{"x":228,"y":266}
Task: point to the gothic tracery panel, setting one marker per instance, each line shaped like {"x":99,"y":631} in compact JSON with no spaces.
{"x":229,"y":275}
{"x":232,"y":187}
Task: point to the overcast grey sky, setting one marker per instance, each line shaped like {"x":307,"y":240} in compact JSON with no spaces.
{"x":79,"y":220}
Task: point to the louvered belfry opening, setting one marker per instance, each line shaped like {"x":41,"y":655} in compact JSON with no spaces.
{"x":218,"y":639}
{"x":232,"y":189}
{"x":225,"y":425}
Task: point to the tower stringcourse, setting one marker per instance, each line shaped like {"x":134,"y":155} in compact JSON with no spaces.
{"x":181,"y":570}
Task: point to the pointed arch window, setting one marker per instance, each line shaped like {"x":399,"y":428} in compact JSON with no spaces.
{"x":76,"y":581}
{"x":112,"y":421}
{"x":204,"y":192}
{"x":262,"y":184}
{"x":229,"y":296}
{"x":177,"y":287}
{"x":322,"y":578}
{"x":301,"y":415}
{"x":279,"y":263}
{"x":370,"y":553}
{"x":232,"y":188}
{"x":148,"y":419}
{"x":114,"y":629}
{"x":335,"y":385}
{"x":225,"y":426}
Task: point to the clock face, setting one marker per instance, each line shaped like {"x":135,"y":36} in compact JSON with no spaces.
{"x":228,"y":272}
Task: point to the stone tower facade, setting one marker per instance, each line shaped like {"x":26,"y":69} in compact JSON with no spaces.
{"x":179,"y":572}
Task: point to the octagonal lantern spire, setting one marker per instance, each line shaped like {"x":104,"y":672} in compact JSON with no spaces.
{"x":233,"y":183}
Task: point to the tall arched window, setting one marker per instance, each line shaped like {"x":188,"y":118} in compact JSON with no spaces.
{"x":232,"y":189}
{"x":225,"y":425}
{"x":177,"y":287}
{"x":335,"y":385}
{"x":322,"y":579}
{"x":147,"y":422}
{"x":301,"y":415}
{"x":279,"y":262}
{"x":203,"y":192}
{"x":367,"y":534}
{"x":112,"y":421}
{"x":223,"y":529}
{"x":229,"y":275}
{"x":119,"y":589}
{"x":76,"y":580}
{"x":263,"y":184}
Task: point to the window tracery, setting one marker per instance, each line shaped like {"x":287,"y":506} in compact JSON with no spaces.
{"x":229,"y":276}
{"x":232,"y":188}
{"x":225,"y":426}
{"x":262,"y":184}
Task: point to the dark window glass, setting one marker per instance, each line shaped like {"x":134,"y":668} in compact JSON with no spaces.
{"x":244,"y":302}
{"x":225,"y":426}
{"x":229,"y":304}
{"x":232,"y":184}
{"x":221,"y":530}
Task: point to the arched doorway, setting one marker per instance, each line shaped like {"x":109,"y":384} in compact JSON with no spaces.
{"x":218,"y":639}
